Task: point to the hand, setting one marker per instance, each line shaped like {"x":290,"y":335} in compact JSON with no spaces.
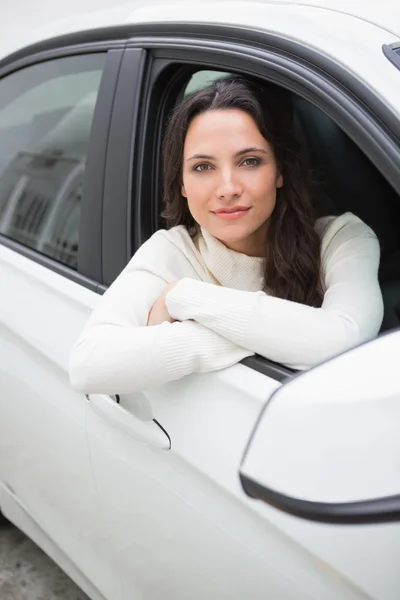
{"x":159,"y":313}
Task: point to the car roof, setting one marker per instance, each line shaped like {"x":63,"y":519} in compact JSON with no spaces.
{"x":383,"y":13}
{"x":349,"y":32}
{"x":48,"y":19}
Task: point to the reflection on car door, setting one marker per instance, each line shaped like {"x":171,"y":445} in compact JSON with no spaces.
{"x":46,"y":114}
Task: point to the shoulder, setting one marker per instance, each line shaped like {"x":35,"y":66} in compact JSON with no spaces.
{"x":175,"y":240}
{"x":345,"y":231}
{"x":347,"y":224}
{"x":178,"y":236}
{"x":168,"y":252}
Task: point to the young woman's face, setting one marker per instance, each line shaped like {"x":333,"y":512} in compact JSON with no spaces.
{"x":230,"y":179}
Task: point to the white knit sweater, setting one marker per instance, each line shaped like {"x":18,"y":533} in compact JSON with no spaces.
{"x":219,"y":325}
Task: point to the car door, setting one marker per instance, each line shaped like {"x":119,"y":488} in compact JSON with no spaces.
{"x":53,"y":135}
{"x":165,"y":459}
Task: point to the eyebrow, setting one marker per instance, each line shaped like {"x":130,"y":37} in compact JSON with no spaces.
{"x":240,"y":153}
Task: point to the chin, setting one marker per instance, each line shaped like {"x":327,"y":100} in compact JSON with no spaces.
{"x":231,"y":234}
{"x":229,"y":238}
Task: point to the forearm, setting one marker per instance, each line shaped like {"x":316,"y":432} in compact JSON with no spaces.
{"x":286,"y":332}
{"x":109,"y":359}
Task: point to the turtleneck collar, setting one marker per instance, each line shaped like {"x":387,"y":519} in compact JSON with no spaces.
{"x":229,"y":268}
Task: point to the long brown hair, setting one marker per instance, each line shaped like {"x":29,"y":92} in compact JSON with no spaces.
{"x":292,"y":252}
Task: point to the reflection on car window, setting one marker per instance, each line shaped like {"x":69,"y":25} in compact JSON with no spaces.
{"x":203,"y":78}
{"x":46,"y":114}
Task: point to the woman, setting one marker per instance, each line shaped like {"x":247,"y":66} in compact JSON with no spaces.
{"x":245,"y":267}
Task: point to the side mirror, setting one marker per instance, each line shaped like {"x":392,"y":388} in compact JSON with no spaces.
{"x":327,"y":444}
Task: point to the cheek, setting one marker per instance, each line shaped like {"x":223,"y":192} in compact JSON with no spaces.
{"x":197,"y":207}
{"x":264,"y":208}
{"x":264,"y":194}
{"x":264,"y":187}
{"x":196,"y":193}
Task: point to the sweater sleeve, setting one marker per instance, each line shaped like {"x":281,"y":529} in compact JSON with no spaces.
{"x":117,"y":353}
{"x":294,"y":334}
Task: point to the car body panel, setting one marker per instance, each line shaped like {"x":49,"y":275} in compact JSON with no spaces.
{"x":179,"y":517}
{"x":44,"y":456}
{"x":12,"y":506}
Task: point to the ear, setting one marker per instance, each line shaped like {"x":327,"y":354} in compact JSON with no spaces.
{"x":279,"y":181}
{"x":183,"y":191}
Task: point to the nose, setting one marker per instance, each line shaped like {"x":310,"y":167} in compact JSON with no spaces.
{"x":229,"y":186}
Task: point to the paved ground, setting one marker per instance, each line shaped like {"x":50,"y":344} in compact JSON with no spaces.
{"x":28,"y":574}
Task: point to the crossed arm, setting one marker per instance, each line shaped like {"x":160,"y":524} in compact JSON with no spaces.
{"x":143,"y":333}
{"x":118,"y":353}
{"x":287,"y":332}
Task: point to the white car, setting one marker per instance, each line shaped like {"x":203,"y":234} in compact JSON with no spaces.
{"x":143,"y":496}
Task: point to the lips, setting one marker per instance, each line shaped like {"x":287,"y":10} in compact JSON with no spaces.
{"x":233,"y":212}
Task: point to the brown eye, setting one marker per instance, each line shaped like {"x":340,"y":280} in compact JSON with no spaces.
{"x":251,"y":162}
{"x":202,"y":167}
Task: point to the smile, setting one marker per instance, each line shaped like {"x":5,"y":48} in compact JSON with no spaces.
{"x":229,"y":214}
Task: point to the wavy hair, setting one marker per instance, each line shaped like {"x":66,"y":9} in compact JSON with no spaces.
{"x":293,"y":248}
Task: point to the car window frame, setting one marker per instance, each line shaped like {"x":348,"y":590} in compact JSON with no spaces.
{"x":349,"y":102}
{"x":302,"y":70}
{"x":123,"y":164}
{"x":89,"y":269}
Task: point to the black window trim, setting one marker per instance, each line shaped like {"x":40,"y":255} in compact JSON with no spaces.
{"x":392,"y":53}
{"x":348,"y":101}
{"x":89,"y":272}
{"x":49,"y":263}
{"x":58,"y":47}
{"x":123,"y":163}
{"x":188,"y":36}
{"x":151,"y":35}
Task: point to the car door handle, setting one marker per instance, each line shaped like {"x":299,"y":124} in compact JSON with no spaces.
{"x":147,"y":432}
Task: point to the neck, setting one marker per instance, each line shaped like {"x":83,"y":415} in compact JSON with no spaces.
{"x":231,"y":267}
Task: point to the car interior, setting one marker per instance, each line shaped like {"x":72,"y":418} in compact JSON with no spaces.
{"x":347,"y":182}
{"x":352,"y":183}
